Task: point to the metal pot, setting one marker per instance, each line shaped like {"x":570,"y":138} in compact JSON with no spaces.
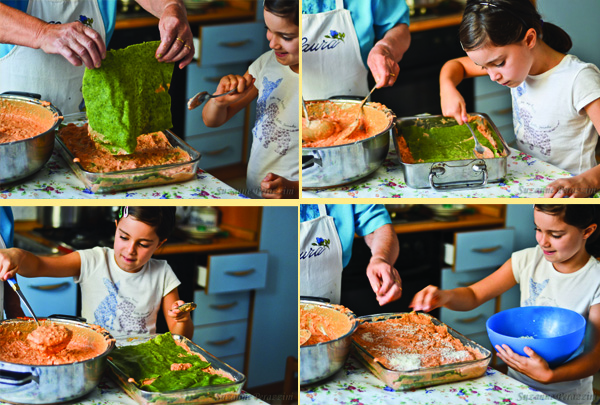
{"x":338,"y":165}
{"x":322,"y":360}
{"x":21,"y":159}
{"x":73,"y":217}
{"x":30,"y":384}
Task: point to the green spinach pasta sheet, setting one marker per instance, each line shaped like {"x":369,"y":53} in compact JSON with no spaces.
{"x":128,"y":96}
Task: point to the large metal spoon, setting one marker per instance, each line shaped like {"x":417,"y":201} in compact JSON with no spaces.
{"x":350,"y":129}
{"x":15,"y":286}
{"x":478,"y":147}
{"x":315,"y":129}
{"x":203,"y":96}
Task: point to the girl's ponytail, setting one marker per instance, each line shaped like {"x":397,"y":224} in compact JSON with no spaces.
{"x":556,"y":37}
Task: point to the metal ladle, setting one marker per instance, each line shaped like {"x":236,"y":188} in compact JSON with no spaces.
{"x":15,"y":286}
{"x":315,"y":129}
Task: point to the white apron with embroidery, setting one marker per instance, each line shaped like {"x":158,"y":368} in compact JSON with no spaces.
{"x":2,"y":246}
{"x":320,"y":266}
{"x":51,"y":76}
{"x":331,"y":66}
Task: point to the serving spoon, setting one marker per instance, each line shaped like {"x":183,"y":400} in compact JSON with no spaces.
{"x":478,"y":147}
{"x":203,"y":96}
{"x":315,"y":129}
{"x":350,"y":129}
{"x":15,"y":286}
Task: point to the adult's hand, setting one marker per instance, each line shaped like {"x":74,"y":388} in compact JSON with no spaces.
{"x":385,"y":280}
{"x":384,"y":56}
{"x":75,"y":41}
{"x":176,"y":39}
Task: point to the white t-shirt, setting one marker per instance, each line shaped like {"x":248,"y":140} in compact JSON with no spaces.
{"x":542,"y":285}
{"x":549,"y":120}
{"x":121,"y":302}
{"x":275,"y":144}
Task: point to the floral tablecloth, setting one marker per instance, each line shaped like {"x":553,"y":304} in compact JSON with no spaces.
{"x":526,"y":177}
{"x":56,"y":180}
{"x":354,"y":384}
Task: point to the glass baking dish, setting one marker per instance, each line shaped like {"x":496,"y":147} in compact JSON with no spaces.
{"x":133,"y":178}
{"x":422,"y":377}
{"x":200,"y":395}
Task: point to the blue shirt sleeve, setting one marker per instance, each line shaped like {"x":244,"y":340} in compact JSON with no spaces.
{"x":360,"y":219}
{"x":7,"y":226}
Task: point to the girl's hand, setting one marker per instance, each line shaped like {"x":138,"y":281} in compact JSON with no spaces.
{"x":9,"y":264}
{"x":274,"y":186}
{"x":243,"y":84}
{"x":453,"y":105}
{"x":429,"y":298}
{"x":573,"y":187}
{"x":177,"y":314}
{"x":533,"y":366}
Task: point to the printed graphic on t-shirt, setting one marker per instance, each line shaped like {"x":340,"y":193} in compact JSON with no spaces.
{"x":117,"y":313}
{"x":532,"y":136}
{"x":267,"y":111}
{"x":535,"y":289}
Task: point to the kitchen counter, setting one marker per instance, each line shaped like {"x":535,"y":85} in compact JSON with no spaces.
{"x":526,"y":177}
{"x":56,"y":180}
{"x":355,"y":384}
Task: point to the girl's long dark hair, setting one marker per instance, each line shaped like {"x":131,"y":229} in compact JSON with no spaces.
{"x":580,"y":216}
{"x":288,"y":9}
{"x":505,"y":22}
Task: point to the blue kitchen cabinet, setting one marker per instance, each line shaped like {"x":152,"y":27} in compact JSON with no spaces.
{"x":49,"y":295}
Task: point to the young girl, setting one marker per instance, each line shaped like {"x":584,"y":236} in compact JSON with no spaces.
{"x":273,"y":78}
{"x":555,"y":96}
{"x":560,"y":272}
{"x":122,"y":288}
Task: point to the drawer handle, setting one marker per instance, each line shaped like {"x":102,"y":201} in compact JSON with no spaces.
{"x":487,"y":250}
{"x":235,"y":44}
{"x":470,"y":320}
{"x":220,"y":342}
{"x":464,"y":283}
{"x":216,"y":152}
{"x":223,"y":306}
{"x":241,"y":273}
{"x":212,"y":79}
{"x":51,"y":287}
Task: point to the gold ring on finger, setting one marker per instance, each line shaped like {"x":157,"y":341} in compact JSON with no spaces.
{"x":393,"y":74}
{"x":181,"y":40}
{"x":187,"y":46}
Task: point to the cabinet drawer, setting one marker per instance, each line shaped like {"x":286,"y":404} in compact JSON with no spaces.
{"x":508,"y":133}
{"x":231,"y":43}
{"x":483,"y":339}
{"x":238,"y":272}
{"x":220,"y":148}
{"x":49,"y":295}
{"x":223,"y":339}
{"x":451,"y":279}
{"x":214,"y":308}
{"x":237,"y":362}
{"x":207,"y":79}
{"x":498,"y":107}
{"x":482,"y":249}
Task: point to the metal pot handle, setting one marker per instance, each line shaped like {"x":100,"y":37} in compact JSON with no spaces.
{"x":310,"y":161}
{"x":22,"y":93}
{"x":320,"y":299}
{"x":439,"y":171}
{"x":15,"y":378}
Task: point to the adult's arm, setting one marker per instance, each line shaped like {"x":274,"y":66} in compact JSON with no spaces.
{"x":384,"y":278}
{"x":176,"y":38}
{"x":386,"y":53}
{"x":75,"y":41}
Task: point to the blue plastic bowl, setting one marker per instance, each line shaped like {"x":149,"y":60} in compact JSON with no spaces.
{"x":556,"y":332}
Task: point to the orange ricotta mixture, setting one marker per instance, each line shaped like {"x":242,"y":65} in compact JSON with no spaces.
{"x":152,"y":149}
{"x":18,"y":123}
{"x":50,"y":338}
{"x":321,"y":324}
{"x":343,"y":123}
{"x":18,"y":347}
{"x":412,"y":342}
